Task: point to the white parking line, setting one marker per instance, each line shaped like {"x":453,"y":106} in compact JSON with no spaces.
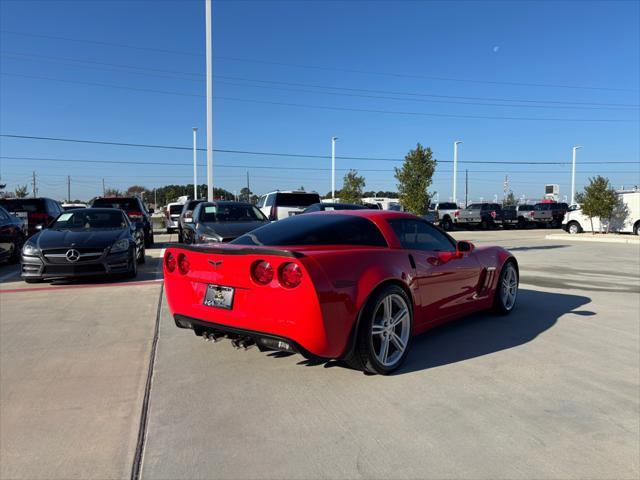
{"x":159,"y":270}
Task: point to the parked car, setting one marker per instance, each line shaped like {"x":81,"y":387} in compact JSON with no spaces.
{"x":35,"y":212}
{"x":135,"y":210}
{"x":222,"y":221}
{"x":73,"y":206}
{"x":445,"y":214}
{"x":279,"y":205}
{"x":186,"y":217}
{"x":90,"y":241}
{"x":13,"y":232}
{"x":542,"y":214}
{"x":524,"y":215}
{"x":626,"y":218}
{"x":509,"y":216}
{"x":485,"y":215}
{"x":172,"y":216}
{"x":558,"y":211}
{"x":328,"y":207}
{"x":336,"y":285}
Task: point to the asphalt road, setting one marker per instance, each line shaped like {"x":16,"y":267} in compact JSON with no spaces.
{"x":551,"y":391}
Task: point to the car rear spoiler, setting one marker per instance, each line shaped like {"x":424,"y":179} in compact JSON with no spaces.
{"x":204,"y":248}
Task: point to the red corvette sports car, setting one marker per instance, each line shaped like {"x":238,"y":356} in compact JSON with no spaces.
{"x":355,"y":285}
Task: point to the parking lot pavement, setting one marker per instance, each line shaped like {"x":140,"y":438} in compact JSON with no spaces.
{"x":548,"y":392}
{"x":74,"y":358}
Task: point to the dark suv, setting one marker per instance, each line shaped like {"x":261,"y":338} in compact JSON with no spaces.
{"x":35,"y":212}
{"x":135,"y":210}
{"x":558,"y":210}
{"x":186,"y":217}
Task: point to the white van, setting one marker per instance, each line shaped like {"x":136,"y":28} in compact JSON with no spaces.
{"x":172,"y":215}
{"x":278,"y":205}
{"x":625,"y":220}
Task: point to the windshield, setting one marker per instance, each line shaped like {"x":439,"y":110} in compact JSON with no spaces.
{"x":126,"y":204}
{"x":230,"y":213}
{"x":297,"y":199}
{"x":316,"y":230}
{"x":23,"y":205}
{"x":90,"y":220}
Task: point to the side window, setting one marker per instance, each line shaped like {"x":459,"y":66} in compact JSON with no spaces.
{"x":260,"y":203}
{"x":269,"y":200}
{"x":419,"y":235}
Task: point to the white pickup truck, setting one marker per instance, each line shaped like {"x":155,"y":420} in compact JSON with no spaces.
{"x":626,"y":219}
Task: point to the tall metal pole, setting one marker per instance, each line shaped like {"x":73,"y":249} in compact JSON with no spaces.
{"x":104,"y":190}
{"x":35,"y":188}
{"x":466,"y":188}
{"x":69,"y":188}
{"x":333,"y":168}
{"x":573,"y":176}
{"x":195,"y":165}
{"x":248,"y":188}
{"x":455,"y":170}
{"x":209,"y":102}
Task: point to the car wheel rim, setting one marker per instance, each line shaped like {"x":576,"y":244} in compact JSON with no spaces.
{"x":390,"y":329}
{"x":573,"y":229}
{"x":509,"y":287}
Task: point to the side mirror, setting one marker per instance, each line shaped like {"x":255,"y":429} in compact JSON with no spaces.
{"x":464,"y":246}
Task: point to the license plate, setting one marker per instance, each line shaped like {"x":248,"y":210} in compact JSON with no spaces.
{"x":219,"y":296}
{"x":23,"y":215}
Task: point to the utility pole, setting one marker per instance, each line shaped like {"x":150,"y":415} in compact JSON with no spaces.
{"x":248,"y":189}
{"x":195,"y":167}
{"x":455,"y":170}
{"x":155,"y":199}
{"x":466,"y":188}
{"x":573,"y":176}
{"x":35,"y":186}
{"x":505,"y":187}
{"x":69,"y":188}
{"x":333,"y":168}
{"x":209,"y":102}
{"x":104,"y":190}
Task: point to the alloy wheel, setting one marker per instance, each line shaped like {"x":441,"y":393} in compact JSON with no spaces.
{"x":509,"y":287}
{"x":390,"y":330}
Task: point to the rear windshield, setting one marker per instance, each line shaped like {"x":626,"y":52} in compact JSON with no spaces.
{"x":230,"y":213}
{"x":447,"y":206}
{"x":474,"y":206}
{"x":316,"y":230}
{"x":175,"y":209}
{"x":296,"y":199}
{"x":525,"y":208}
{"x":191,"y":204}
{"x":126,"y":204}
{"x":23,"y":205}
{"x":89,"y":219}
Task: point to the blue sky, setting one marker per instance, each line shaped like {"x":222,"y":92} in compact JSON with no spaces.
{"x":431,"y":62}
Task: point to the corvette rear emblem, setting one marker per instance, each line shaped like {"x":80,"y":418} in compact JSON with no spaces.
{"x":215,"y":264}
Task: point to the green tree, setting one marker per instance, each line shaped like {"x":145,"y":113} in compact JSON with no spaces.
{"x":352,"y":188}
{"x":510,"y":200}
{"x":112,"y":192}
{"x":135,"y":191}
{"x":414,"y":178}
{"x":599,"y":200}
{"x":245,"y":194}
{"x":21,"y":191}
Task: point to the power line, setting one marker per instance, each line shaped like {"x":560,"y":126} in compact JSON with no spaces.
{"x":365,"y":93}
{"x":280,"y":154}
{"x":320,"y":67}
{"x":325,"y":107}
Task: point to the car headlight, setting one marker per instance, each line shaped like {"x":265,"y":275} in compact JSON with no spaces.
{"x":30,"y":249}
{"x":120,"y":246}
{"x":209,"y":237}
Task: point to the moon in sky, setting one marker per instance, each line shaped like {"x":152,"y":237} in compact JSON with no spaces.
{"x":495,"y":49}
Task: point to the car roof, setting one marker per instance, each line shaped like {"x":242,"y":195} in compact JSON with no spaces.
{"x":369,"y":213}
{"x":96,"y":209}
{"x":293,"y":191}
{"x":227,"y":202}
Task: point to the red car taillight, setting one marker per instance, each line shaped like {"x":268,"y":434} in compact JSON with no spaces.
{"x":135,"y":215}
{"x":456,"y":213}
{"x":531,"y":214}
{"x":290,"y":275}
{"x":38,"y":216}
{"x":493,"y":214}
{"x":262,"y":272}
{"x":183,"y":264}
{"x":170,"y":262}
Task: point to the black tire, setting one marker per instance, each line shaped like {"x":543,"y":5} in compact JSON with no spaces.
{"x":180,"y":237}
{"x":521,"y":223}
{"x":484,"y":225}
{"x":500,"y":306}
{"x":446,"y":224}
{"x":15,"y":255}
{"x":142,"y":255}
{"x":133,"y":269}
{"x":636,"y":228}
{"x":33,"y":280}
{"x":363,"y":357}
{"x":574,"y":227}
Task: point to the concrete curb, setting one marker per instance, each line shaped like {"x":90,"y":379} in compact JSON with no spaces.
{"x":587,"y":237}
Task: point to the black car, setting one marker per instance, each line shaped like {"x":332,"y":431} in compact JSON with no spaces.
{"x":13,"y":231}
{"x":35,"y":212}
{"x":186,"y":217}
{"x":326,"y":207}
{"x":558,"y":211}
{"x":135,"y":210}
{"x":91,"y":241}
{"x":222,"y":221}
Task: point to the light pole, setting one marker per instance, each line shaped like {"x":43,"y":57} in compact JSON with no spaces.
{"x":195,"y":167}
{"x":455,"y":170}
{"x":333,"y":168}
{"x":209,"y":102}
{"x":573,"y":176}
